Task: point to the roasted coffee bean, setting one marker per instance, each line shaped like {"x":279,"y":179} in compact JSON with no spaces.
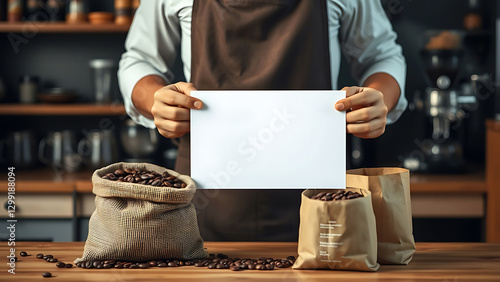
{"x":162,"y":264}
{"x":61,"y":264}
{"x":99,"y":266}
{"x":47,"y":256}
{"x":52,"y":260}
{"x":260,"y":267}
{"x":145,"y":177}
{"x":251,"y":266}
{"x":106,"y":265}
{"x":269,"y":266}
{"x":88,"y":264}
{"x":23,"y":254}
{"x":39,"y":256}
{"x":68,"y":265}
{"x":339,"y":195}
{"x":118,"y":265}
{"x":133,"y":266}
{"x":47,"y":274}
{"x":235,"y":268}
{"x":199,"y":264}
{"x":143,"y":265}
{"x":172,"y":264}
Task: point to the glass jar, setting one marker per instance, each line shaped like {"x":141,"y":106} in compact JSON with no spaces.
{"x":76,"y":12}
{"x":28,"y":89}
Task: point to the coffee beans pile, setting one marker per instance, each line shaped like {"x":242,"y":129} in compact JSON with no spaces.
{"x":145,"y":177}
{"x":51,"y":258}
{"x":340,"y":195}
{"x":220,"y":261}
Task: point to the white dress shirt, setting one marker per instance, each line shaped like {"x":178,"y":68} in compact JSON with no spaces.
{"x":359,"y":28}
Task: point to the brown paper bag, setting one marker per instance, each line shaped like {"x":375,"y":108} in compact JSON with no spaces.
{"x":135,"y":222}
{"x":337,"y":234}
{"x":390,"y":189}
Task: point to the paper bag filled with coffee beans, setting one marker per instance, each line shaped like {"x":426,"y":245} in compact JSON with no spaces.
{"x":337,"y":230}
{"x":143,"y":212}
{"x":390,"y":189}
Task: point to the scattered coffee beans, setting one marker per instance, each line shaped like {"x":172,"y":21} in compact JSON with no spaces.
{"x":145,"y":177}
{"x":23,"y":254}
{"x":39,"y":256}
{"x":47,"y":274}
{"x":60,"y":264}
{"x":220,"y":261}
{"x":340,"y":195}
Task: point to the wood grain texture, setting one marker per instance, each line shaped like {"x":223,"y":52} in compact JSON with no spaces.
{"x":493,"y":180}
{"x":62,"y":109}
{"x":63,"y":27}
{"x":432,"y":262}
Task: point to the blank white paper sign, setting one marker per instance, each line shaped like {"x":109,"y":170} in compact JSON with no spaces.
{"x":268,"y":139}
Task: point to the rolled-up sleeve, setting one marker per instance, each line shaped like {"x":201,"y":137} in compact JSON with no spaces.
{"x":369,"y":43}
{"x":151,"y":48}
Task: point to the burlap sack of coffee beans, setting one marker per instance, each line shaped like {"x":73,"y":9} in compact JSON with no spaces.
{"x":391,"y":201}
{"x":337,"y":234}
{"x":136,"y":222}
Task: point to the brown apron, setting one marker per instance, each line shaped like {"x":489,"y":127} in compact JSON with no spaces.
{"x":255,"y":44}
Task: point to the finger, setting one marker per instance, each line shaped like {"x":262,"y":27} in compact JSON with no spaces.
{"x":360,"y":99}
{"x":171,"y":113}
{"x":363,"y":114}
{"x":173,"y":126}
{"x":366,"y":127}
{"x":184,"y":87}
{"x":176,"y":95}
{"x":373,"y":134}
{"x":169,"y":134}
{"x":351,"y":90}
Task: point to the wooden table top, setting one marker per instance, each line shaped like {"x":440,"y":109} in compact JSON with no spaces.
{"x":442,"y":262}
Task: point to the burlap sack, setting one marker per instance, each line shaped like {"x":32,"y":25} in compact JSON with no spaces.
{"x":135,"y":222}
{"x":337,"y":234}
{"x":390,"y":189}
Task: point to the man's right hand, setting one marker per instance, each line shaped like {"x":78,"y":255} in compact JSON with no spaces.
{"x":171,"y":109}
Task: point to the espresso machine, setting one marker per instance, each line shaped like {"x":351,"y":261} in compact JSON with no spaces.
{"x":444,"y":104}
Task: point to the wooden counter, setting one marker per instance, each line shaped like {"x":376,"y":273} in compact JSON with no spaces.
{"x":432,"y":262}
{"x":493,"y":180}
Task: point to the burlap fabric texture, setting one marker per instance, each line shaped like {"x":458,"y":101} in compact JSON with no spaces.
{"x":135,"y":222}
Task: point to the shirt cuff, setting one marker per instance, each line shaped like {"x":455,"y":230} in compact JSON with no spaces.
{"x":128,"y":79}
{"x":388,"y":68}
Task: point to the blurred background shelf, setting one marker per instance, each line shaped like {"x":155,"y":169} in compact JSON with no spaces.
{"x":67,"y":109}
{"x":62,"y":28}
{"x":469,"y":183}
{"x":47,"y":180}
